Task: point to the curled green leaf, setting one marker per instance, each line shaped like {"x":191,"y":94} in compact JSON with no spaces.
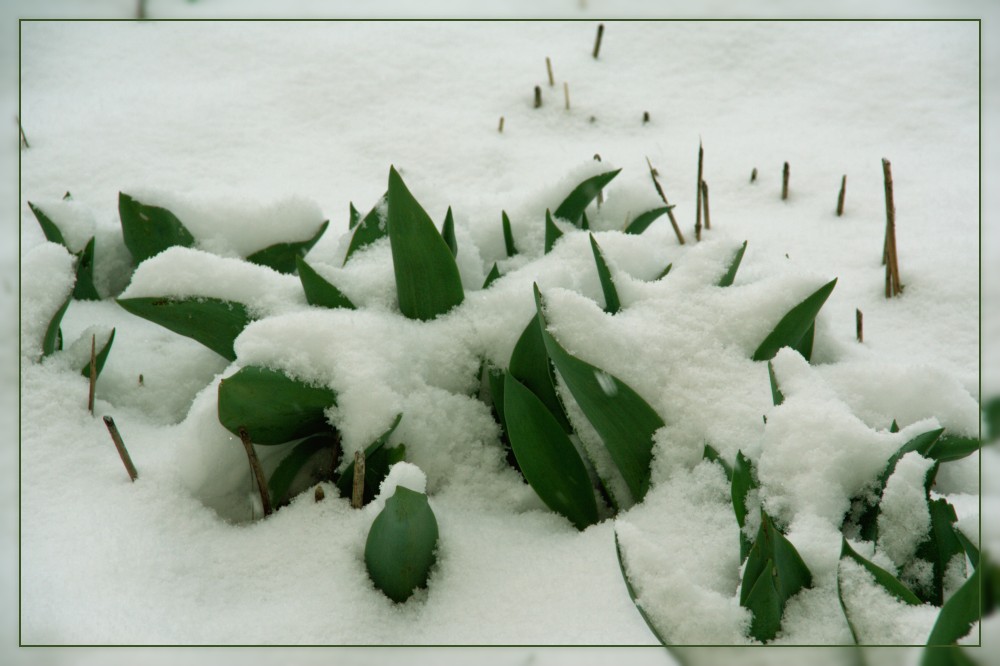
{"x":577,"y":201}
{"x":796,"y":326}
{"x":448,"y":233}
{"x":318,"y":290}
{"x":552,"y":233}
{"x":734,"y":265}
{"x":508,"y":235}
{"x":612,"y":304}
{"x":149,"y":230}
{"x":213,"y":322}
{"x":371,"y":228}
{"x":100,"y":358}
{"x":642,"y":222}
{"x":282,"y":257}
{"x":400,"y":549}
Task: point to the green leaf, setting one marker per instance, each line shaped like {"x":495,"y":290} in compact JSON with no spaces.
{"x":742,"y":483}
{"x":970,"y":549}
{"x":642,"y":222}
{"x":369,"y":229}
{"x":611,"y":301}
{"x":959,"y":613}
{"x":666,"y":271}
{"x":213,"y":322}
{"x":273,"y":407}
{"x":624,"y":421}
{"x":894,"y":427}
{"x":401,"y":545}
{"x":448,"y":233}
{"x":49,"y":228}
{"x":318,"y":290}
{"x":549,"y":461}
{"x":734,"y":265}
{"x":631,"y":593}
{"x":794,"y":326}
{"x":149,"y":230}
{"x":953,"y":447}
{"x":353,"y":216}
{"x":764,"y":602}
{"x":492,"y":276}
{"x":713,"y":455}
{"x":281,"y":256}
{"x":378,"y":459}
{"x":508,"y":235}
{"x":805,"y":345}
{"x":52,"y":341}
{"x":529,"y":364}
{"x":777,"y":397}
{"x":889,"y":582}
{"x":84,"y":290}
{"x":939,"y":548}
{"x":314,"y":455}
{"x":573,"y":205}
{"x":584,"y":222}
{"x":100,"y":358}
{"x":991,"y":419}
{"x":427,"y":279}
{"x":552,"y":233}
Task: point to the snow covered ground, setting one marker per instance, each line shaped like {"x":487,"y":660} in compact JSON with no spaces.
{"x":223,"y":120}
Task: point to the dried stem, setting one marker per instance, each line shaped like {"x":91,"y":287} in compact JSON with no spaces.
{"x":892,"y":284}
{"x":93,"y":373}
{"x":538,"y":97}
{"x":548,"y":66}
{"x":597,"y":42}
{"x":120,"y":445}
{"x":784,"y":182}
{"x":500,"y":129}
{"x":566,"y":93}
{"x":645,"y":117}
{"x":753,"y":175}
{"x":670,"y":209}
{"x":24,"y":139}
{"x":704,"y":202}
{"x":358,"y":494}
{"x":258,"y":472}
{"x":859,"y":320}
{"x":840,"y":197}
{"x":697,"y":217}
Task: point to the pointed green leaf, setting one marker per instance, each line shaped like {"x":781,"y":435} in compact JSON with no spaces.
{"x":492,"y":276}
{"x":611,"y":302}
{"x":67,"y":196}
{"x":805,"y":345}
{"x":734,"y":265}
{"x":378,"y":459}
{"x":281,"y":256}
{"x":764,"y":602}
{"x":959,"y":613}
{"x":794,"y":326}
{"x":573,"y":205}
{"x":318,"y":290}
{"x":213,"y":322}
{"x":882,"y":577}
{"x":939,"y":548}
{"x":970,"y":549}
{"x":52,"y":341}
{"x":427,"y":279}
{"x":353,"y":216}
{"x":665,"y":273}
{"x":400,"y":549}
{"x":273,"y":407}
{"x":149,"y":230}
{"x":711,"y":454}
{"x":549,"y":461}
{"x":953,"y":447}
{"x":631,"y":593}
{"x":448,"y":233}
{"x":642,"y":222}
{"x":49,"y":228}
{"x":894,"y":427}
{"x":369,"y":229}
{"x":100,"y":357}
{"x":310,"y":462}
{"x":991,"y":419}
{"x":508,"y":235}
{"x":584,"y":222}
{"x":777,"y":397}
{"x":529,"y":364}
{"x":85,"y":289}
{"x":624,"y":421}
{"x":742,"y":483}
{"x":552,"y":233}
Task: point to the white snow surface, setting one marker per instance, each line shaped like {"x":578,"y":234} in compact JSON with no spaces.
{"x":254,"y":133}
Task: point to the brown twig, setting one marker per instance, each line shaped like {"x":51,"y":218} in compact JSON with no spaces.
{"x":120,"y":445}
{"x":548,"y":66}
{"x":566,"y":93}
{"x":697,"y":216}
{"x":500,"y":129}
{"x":670,"y":209}
{"x":24,"y":139}
{"x":753,"y":175}
{"x":358,"y":494}
{"x":840,"y":197}
{"x":538,"y":97}
{"x":597,"y":42}
{"x":645,"y":117}
{"x":93,"y":373}
{"x":318,"y":494}
{"x":892,"y":283}
{"x":258,"y":472}
{"x":859,"y":320}
{"x":704,"y":202}
{"x":784,"y":182}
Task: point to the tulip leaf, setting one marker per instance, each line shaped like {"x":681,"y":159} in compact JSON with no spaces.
{"x":959,"y":613}
{"x":631,"y":593}
{"x":52,"y":340}
{"x":84,"y":290}
{"x":712,"y":455}
{"x":664,"y":273}
{"x":213,"y":322}
{"x":281,"y":256}
{"x":529,"y":364}
{"x":378,"y":459}
{"x":549,"y":461}
{"x":889,"y":582}
{"x":273,"y":407}
{"x":777,"y":397}
{"x":940,"y":547}
{"x":642,"y":222}
{"x":624,"y":421}
{"x":573,"y":205}
{"x":448,"y":233}
{"x":309,"y":462}
{"x":400,"y":549}
{"x":612,"y":304}
{"x":552,"y":232}
{"x":49,"y":228}
{"x":427,"y":279}
{"x":508,"y":235}
{"x":794,"y":326}
{"x":100,"y":358}
{"x":492,"y":276}
{"x":742,"y":483}
{"x":318,"y":290}
{"x":353,"y":216}
{"x":734,"y":265}
{"x":371,"y":228}
{"x":149,"y":230}
{"x":949,"y":448}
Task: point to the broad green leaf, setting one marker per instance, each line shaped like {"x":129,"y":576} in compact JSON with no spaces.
{"x":281,"y":256}
{"x":448,"y":233}
{"x":970,"y":549}
{"x":882,"y":577}
{"x":369,"y":229}
{"x":734,"y":265}
{"x":777,"y":397}
{"x":273,"y":407}
{"x":84,"y":290}
{"x":573,"y":205}
{"x":794,"y":326}
{"x":805,"y":345}
{"x":631,"y":593}
{"x":584,"y":222}
{"x":49,"y":228}
{"x":378,"y":459}
{"x":492,"y":276}
{"x":713,"y":455}
{"x":642,"y":222}
{"x":400,"y":549}
{"x":310,"y":462}
{"x":427,"y":279}
{"x":549,"y":461}
{"x":212,"y":322}
{"x":939,"y":548}
{"x":742,"y":483}
{"x":950,"y":655}
{"x":953,"y":447}
{"x":508,"y":235}
{"x":959,"y":613}
{"x":100,"y":358}
{"x":665,"y":273}
{"x":497,"y":378}
{"x":52,"y":341}
{"x":624,"y":421}
{"x":612,"y":304}
{"x":529,"y":364}
{"x":764,"y":602}
{"x":552,"y":233}
{"x":353,"y":216}
{"x":318,"y":290}
{"x":149,"y":230}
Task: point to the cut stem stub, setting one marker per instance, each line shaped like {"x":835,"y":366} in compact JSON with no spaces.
{"x":258,"y":472}
{"x":358,"y":490}
{"x":120,"y":445}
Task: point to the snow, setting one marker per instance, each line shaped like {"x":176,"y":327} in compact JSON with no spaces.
{"x":254,"y":146}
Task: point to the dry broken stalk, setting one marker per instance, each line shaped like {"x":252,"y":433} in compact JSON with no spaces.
{"x":566,"y":93}
{"x":120,"y":445}
{"x":753,"y":175}
{"x":784,"y":182}
{"x":548,"y":66}
{"x":697,"y":215}
{"x":93,"y":373}
{"x":840,"y":197}
{"x":704,"y":203}
{"x":597,"y":42}
{"x":670,"y":209}
{"x":500,"y":129}
{"x":892,"y":284}
{"x":258,"y":472}
{"x":538,"y":97}
{"x":358,"y":490}
{"x":859,"y":320}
